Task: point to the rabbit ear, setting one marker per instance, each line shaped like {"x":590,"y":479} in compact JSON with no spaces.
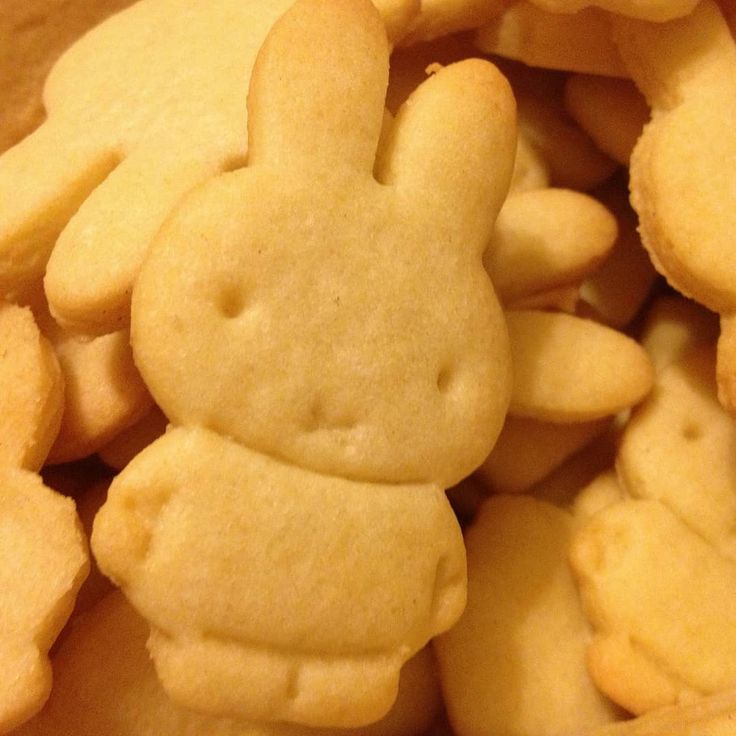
{"x":318,"y":87}
{"x":452,"y":146}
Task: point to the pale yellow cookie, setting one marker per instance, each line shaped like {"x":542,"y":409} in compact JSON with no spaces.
{"x":34,"y":33}
{"x":275,"y":593}
{"x":140,"y":110}
{"x":577,"y":42}
{"x":547,"y":238}
{"x":387,"y":362}
{"x":662,"y":601}
{"x":121,"y":450}
{"x":527,"y":450}
{"x":681,"y":182}
{"x":43,"y":561}
{"x":105,"y":683}
{"x":371,"y":371}
{"x":568,"y":369}
{"x":515,"y":662}
{"x":31,"y":390}
{"x":611,"y":111}
{"x":103,"y":390}
{"x":678,"y":448}
{"x":615,"y":293}
{"x":673,"y":326}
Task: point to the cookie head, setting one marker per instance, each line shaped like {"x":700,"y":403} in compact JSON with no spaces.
{"x":328,"y":304}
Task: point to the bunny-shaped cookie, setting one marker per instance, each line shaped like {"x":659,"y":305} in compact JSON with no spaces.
{"x":320,"y":331}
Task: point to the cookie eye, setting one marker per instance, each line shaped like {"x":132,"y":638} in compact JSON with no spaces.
{"x":444,"y":379}
{"x":692,"y":431}
{"x":231,"y":300}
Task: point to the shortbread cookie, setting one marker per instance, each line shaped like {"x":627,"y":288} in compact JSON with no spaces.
{"x":578,"y":42}
{"x":568,"y":369}
{"x":34,"y":33}
{"x":120,"y":696}
{"x":680,"y":185}
{"x":396,"y":373}
{"x":398,"y":367}
{"x":515,"y":662}
{"x":103,"y":391}
{"x":678,"y":448}
{"x":527,"y":450}
{"x":547,"y":238}
{"x":611,"y":111}
{"x":140,"y":110}
{"x":31,"y":390}
{"x":43,"y":561}
{"x":275,"y":593}
{"x":662,"y":601}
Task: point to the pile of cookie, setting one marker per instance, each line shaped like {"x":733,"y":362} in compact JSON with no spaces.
{"x":367,"y":368}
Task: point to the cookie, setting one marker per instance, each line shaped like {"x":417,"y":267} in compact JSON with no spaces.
{"x":568,"y":369}
{"x":547,"y":238}
{"x":677,"y":448}
{"x":34,"y":34}
{"x":106,"y":650}
{"x":661,"y":600}
{"x":31,"y":390}
{"x":680,"y":188}
{"x":275,"y":593}
{"x":398,"y":367}
{"x":43,"y":561}
{"x":515,"y":662}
